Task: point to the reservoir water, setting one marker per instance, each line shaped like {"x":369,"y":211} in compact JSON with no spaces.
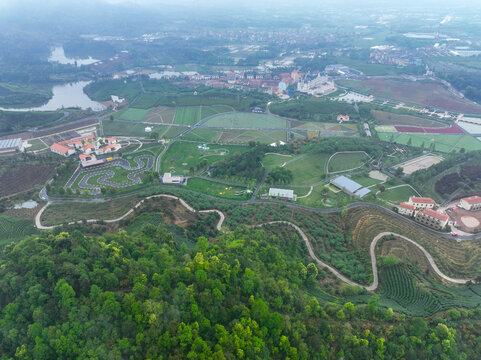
{"x":64,"y":96}
{"x":58,"y":55}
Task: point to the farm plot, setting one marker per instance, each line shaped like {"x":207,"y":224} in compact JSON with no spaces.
{"x":131,"y":114}
{"x":217,"y":189}
{"x":437,"y":142}
{"x":181,"y":156}
{"x":427,"y":93}
{"x":389,"y":118}
{"x":161,"y":114}
{"x":187,"y":115}
{"x":207,"y":111}
{"x":308,"y":169}
{"x":345,"y":161}
{"x":247,"y":121}
{"x":12,"y":229}
{"x":236,"y":136}
{"x":15,"y":179}
{"x":60,"y":213}
{"x":127,"y":129}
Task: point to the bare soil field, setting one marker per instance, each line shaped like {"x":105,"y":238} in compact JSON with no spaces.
{"x":419,"y":92}
{"x":466,"y":220}
{"x":419,"y":163}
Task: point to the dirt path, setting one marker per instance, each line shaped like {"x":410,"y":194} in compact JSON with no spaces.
{"x":372,"y":248}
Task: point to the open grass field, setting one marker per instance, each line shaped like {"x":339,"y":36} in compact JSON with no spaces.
{"x":12,"y":229}
{"x":366,"y":180}
{"x":59,"y":213}
{"x":127,"y":129}
{"x":172,"y":131}
{"x":160,"y":114}
{"x":389,"y":118}
{"x":273,"y":160}
{"x":246,"y":121}
{"x":442,"y":142}
{"x":182,"y":155}
{"x":217,"y":189}
{"x":308,"y":169}
{"x":427,"y":93}
{"x":236,"y":136}
{"x":131,"y":114}
{"x":458,"y":260}
{"x":347,"y":161}
{"x":398,"y":194}
{"x":187,"y":115}
{"x":207,"y":111}
{"x":36,"y":144}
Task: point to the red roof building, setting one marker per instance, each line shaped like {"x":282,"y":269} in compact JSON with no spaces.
{"x":471,"y":203}
{"x":432,"y":218}
{"x":421,"y":202}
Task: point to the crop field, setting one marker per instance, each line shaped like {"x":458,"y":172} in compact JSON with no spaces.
{"x":272,"y":160}
{"x":23,"y":177}
{"x":182,"y":155}
{"x":442,"y":142}
{"x":458,"y":260}
{"x":59,"y":213}
{"x":127,"y":129}
{"x":389,"y":118}
{"x":12,"y":229}
{"x":207,"y":111}
{"x":131,"y":114}
{"x":217,"y":189}
{"x":415,"y":297}
{"x":187,"y":115}
{"x":205,"y":135}
{"x":427,"y":93}
{"x":398,"y":194}
{"x":161,"y":114}
{"x":347,"y":161}
{"x":247,"y":121}
{"x":309,"y":169}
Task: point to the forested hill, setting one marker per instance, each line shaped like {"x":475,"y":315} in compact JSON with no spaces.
{"x":244,"y":295}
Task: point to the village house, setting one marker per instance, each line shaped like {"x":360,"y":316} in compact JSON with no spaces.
{"x":471,"y":203}
{"x":420,"y":203}
{"x":168,"y":178}
{"x":406,"y":209}
{"x":432,"y":218}
{"x":341,"y":118}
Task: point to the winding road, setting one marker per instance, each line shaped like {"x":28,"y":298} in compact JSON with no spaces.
{"x":372,"y":248}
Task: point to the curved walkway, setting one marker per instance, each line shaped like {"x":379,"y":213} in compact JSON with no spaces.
{"x":372,"y":248}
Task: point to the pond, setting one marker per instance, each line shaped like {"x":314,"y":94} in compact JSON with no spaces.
{"x":29,"y":204}
{"x":65,"y":96}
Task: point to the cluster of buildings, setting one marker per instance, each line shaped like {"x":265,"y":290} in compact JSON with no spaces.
{"x":87,"y":145}
{"x":422,"y":208}
{"x":389,"y":55}
{"x":317,"y":86}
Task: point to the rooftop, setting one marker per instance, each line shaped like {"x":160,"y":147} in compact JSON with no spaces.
{"x":421,"y":200}
{"x":10,"y":143}
{"x":281,"y":193}
{"x":473,"y":199}
{"x":346,"y":183}
{"x":435,"y":214}
{"x":406,"y":206}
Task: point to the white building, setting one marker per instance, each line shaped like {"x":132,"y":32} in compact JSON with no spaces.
{"x":471,"y":203}
{"x":421,"y":202}
{"x":282,"y":194}
{"x":406,"y":209}
{"x":168,"y":178}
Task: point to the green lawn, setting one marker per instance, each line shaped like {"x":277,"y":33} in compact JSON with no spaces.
{"x":37,"y":144}
{"x":217,"y":189}
{"x":213,"y":110}
{"x":397,"y":195}
{"x":366,"y":180}
{"x":126,"y":129}
{"x":273,"y":160}
{"x":182,"y":155}
{"x":247,"y":120}
{"x":442,"y":142}
{"x":187,"y":115}
{"x":131,"y":114}
{"x":308,"y":169}
{"x":347,"y":161}
{"x":205,"y":135}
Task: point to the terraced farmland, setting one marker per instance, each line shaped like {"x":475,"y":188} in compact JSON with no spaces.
{"x":12,"y":229}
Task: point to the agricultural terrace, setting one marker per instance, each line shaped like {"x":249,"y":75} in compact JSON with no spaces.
{"x":12,"y":229}
{"x":247,"y":121}
{"x":389,"y":118}
{"x":436,"y":142}
{"x":308,"y":169}
{"x":345,"y":161}
{"x":427,"y":93}
{"x":182,"y":156}
{"x":216,"y":189}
